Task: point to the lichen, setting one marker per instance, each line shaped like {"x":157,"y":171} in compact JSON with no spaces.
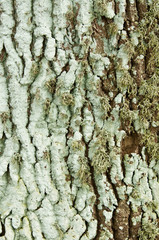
{"x":104,"y":8}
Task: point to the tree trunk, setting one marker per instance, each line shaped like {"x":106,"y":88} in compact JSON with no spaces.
{"x":79,"y":119}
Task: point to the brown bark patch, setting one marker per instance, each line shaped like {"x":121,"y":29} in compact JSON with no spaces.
{"x":130,"y":144}
{"x":134,"y":228}
{"x":99,"y":33}
{"x":121,"y":221}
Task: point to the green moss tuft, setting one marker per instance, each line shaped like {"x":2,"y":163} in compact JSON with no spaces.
{"x":51,"y":85}
{"x":101,"y":160}
{"x":17,"y":157}
{"x":84,"y":171}
{"x":67,"y":99}
{"x":149,"y":140}
{"x":47,"y":104}
{"x":100,"y":7}
{"x":124,"y":82}
{"x":4,"y":117}
{"x":127,"y":116}
{"x":149,"y":231}
{"x":34,"y":69}
{"x":105,"y":105}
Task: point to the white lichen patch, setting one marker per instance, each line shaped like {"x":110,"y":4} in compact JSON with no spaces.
{"x":67,"y":71}
{"x":77,"y":229}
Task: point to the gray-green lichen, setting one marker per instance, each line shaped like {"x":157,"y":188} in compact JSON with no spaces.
{"x":78,"y":118}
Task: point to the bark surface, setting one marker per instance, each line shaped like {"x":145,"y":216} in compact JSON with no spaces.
{"x":79,"y":119}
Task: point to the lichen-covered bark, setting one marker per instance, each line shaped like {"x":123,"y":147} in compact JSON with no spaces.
{"x":79,"y":119}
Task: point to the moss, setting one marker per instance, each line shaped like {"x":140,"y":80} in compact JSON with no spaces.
{"x":46,"y":155}
{"x":101,"y":160}
{"x":70,"y":14}
{"x":112,"y":29}
{"x":76,"y":146}
{"x":149,"y":89}
{"x":149,"y":40}
{"x":17,"y":157}
{"x":102,"y":137}
{"x":37,"y":94}
{"x":149,"y":110}
{"x":84,"y":171}
{"x":100,"y":7}
{"x":51,"y":85}
{"x":47,"y":104}
{"x":125,"y":81}
{"x":127,"y":116}
{"x":129,"y":48}
{"x":149,"y":140}
{"x":104,"y":8}
{"x":34,"y":69}
{"x":149,"y":231}
{"x":67,"y":99}
{"x":4,"y":116}
{"x":135,"y":194}
{"x":105,"y":105}
{"x":148,"y":96}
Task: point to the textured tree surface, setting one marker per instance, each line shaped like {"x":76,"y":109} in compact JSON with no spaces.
{"x":79,"y":119}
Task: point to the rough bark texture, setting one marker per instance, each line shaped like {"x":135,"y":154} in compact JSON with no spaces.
{"x":79,"y":119}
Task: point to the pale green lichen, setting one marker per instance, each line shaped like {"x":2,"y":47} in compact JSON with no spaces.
{"x":104,"y":8}
{"x":105,"y":234}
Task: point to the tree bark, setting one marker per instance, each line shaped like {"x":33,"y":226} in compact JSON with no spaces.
{"x":79,"y":119}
